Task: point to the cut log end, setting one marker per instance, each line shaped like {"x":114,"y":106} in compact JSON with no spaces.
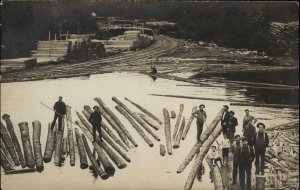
{"x":175,"y":146}
{"x":47,"y":160}
{"x":104,"y":176}
{"x":151,"y":145}
{"x":122,"y":166}
{"x":110,"y":171}
{"x":40,"y":168}
{"x":83,"y":165}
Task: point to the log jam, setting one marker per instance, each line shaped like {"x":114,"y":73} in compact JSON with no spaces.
{"x":37,"y":147}
{"x":30,"y":162}
{"x":50,"y":143}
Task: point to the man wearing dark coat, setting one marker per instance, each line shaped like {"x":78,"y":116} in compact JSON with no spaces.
{"x":60,"y":111}
{"x":232,"y":123}
{"x":235,"y":148}
{"x":95,"y":119}
{"x":261,"y":142}
{"x":246,"y":158}
{"x":224,"y":120}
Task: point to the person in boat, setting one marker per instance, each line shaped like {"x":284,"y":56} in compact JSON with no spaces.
{"x":235,"y":149}
{"x":59,"y":113}
{"x":246,"y":158}
{"x":95,"y":119}
{"x":153,"y":70}
{"x":224,"y":120}
{"x":232,"y":123}
{"x":260,"y":142}
{"x":201,"y":119}
{"x":249,"y":130}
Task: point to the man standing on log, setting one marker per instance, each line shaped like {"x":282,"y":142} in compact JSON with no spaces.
{"x":232,"y":123}
{"x":201,"y":118}
{"x":95,"y":119}
{"x":224,"y":120}
{"x":261,"y":142}
{"x":235,"y":149}
{"x":246,"y":158}
{"x":60,"y":111}
{"x":249,"y":130}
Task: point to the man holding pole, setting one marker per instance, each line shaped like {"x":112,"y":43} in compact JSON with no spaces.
{"x":95,"y":119}
{"x":60,"y":111}
{"x":201,"y":118}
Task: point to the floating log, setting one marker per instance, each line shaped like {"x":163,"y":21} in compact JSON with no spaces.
{"x":105,"y":128}
{"x":96,"y":166}
{"x":204,"y":150}
{"x":137,"y":128}
{"x":6,"y":153}
{"x":189,"y":97}
{"x":179,"y":135}
{"x":4,"y":163}
{"x":145,"y":111}
{"x":260,"y":182}
{"x":58,"y":145}
{"x":65,"y":142}
{"x":9,"y":144}
{"x":265,"y":105}
{"x":178,"y":121}
{"x":188,"y":125}
{"x":139,"y":120}
{"x":37,"y":145}
{"x":70,"y":136}
{"x":168,"y":131}
{"x":108,"y":167}
{"x":10,"y":129}
{"x":114,"y":126}
{"x":216,"y":175}
{"x":106,"y":138}
{"x":292,"y":124}
{"x":30,"y":162}
{"x":150,"y":122}
{"x":50,"y":144}
{"x":22,"y":171}
{"x":205,"y":135}
{"x":116,"y":119}
{"x":82,"y":156}
{"x":162,"y":149}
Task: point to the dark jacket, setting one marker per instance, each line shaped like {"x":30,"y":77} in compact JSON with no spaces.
{"x":261,"y":141}
{"x":236,"y":149}
{"x":249,"y":133}
{"x":232,"y":123}
{"x":60,"y":107}
{"x":95,"y":118}
{"x":246,"y":155}
{"x":225,"y":118}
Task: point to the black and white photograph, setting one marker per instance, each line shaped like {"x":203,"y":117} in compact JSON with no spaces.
{"x":149,"y":95}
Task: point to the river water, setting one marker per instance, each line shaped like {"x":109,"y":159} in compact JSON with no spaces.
{"x":147,"y":170}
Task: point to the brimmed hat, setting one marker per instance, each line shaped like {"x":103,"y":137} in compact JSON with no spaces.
{"x":202,"y":105}
{"x":237,"y":137}
{"x":264,"y":126}
{"x":95,"y":107}
{"x":244,"y":139}
{"x":246,"y":110}
{"x":225,"y":106}
{"x":214,"y":146}
{"x":232,"y":112}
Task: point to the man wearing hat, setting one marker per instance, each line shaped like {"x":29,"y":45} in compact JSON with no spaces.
{"x":235,"y":149}
{"x":232,"y":123}
{"x":246,"y":158}
{"x":249,"y":131}
{"x":224,"y":120}
{"x":95,"y":119}
{"x":261,"y":142}
{"x":201,"y":116}
{"x":60,"y":111}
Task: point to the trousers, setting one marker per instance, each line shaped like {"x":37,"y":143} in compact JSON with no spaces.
{"x":60,"y":118}
{"x":97,"y":127}
{"x":260,"y":161}
{"x":199,"y":129}
{"x":245,"y":171}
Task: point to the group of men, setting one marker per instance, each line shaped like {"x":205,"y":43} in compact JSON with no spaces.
{"x":60,"y":111}
{"x":245,"y":148}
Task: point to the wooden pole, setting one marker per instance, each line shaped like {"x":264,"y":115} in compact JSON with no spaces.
{"x":37,"y":145}
{"x":6,"y":153}
{"x":114,"y":126}
{"x":178,"y":121}
{"x":179,"y":135}
{"x":11,"y":131}
{"x":106,"y":138}
{"x":162,"y":150}
{"x":168,"y":131}
{"x":134,"y":125}
{"x":145,"y":111}
{"x":96,"y":166}
{"x":139,"y":120}
{"x":116,"y":119}
{"x":204,"y":150}
{"x":106,"y":129}
{"x":30,"y":162}
{"x":188,"y":125}
{"x":82,"y":156}
{"x":205,"y":135}
{"x":4,"y":163}
{"x":70,"y":135}
{"x":21,"y":171}
{"x":58,"y":145}
{"x":150,"y":122}
{"x":108,"y":167}
{"x":9,"y":144}
{"x":50,"y":144}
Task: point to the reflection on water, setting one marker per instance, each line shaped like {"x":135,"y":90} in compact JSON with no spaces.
{"x":147,"y":170}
